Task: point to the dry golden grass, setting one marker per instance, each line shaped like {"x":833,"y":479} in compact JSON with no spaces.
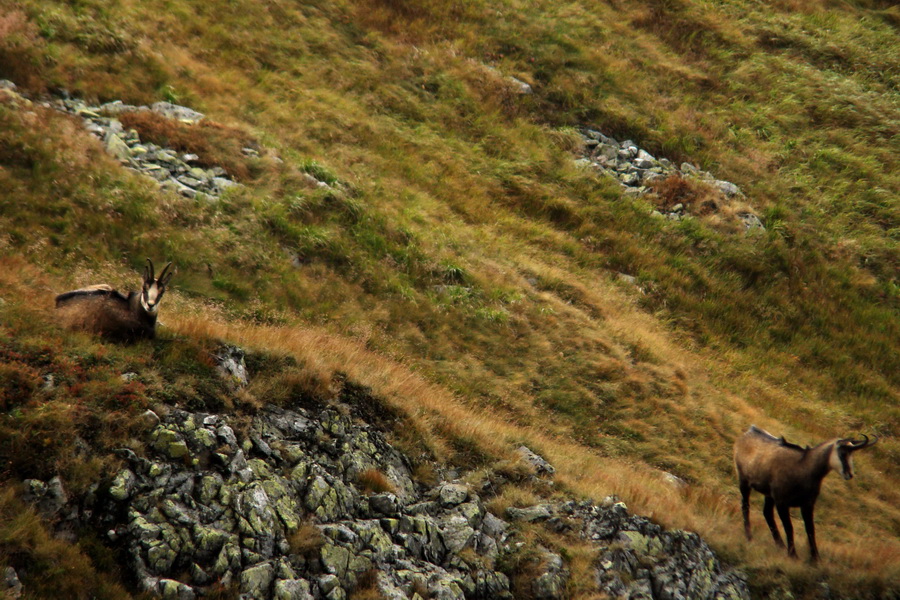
{"x":307,"y":540}
{"x":710,"y":503}
{"x":375,"y":482}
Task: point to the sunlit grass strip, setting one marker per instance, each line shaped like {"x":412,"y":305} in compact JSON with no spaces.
{"x":706,"y":507}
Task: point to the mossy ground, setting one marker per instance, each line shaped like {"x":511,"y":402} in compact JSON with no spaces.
{"x":461,"y":265}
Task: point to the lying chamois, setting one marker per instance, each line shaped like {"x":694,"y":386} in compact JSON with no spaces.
{"x":789,"y":475}
{"x":112,"y":314}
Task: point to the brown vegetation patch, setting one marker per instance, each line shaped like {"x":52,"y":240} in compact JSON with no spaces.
{"x":306,"y":541}
{"x":367,"y":587}
{"x":697,"y":197}
{"x":22,"y":51}
{"x":215,"y":144}
{"x":375,"y":482}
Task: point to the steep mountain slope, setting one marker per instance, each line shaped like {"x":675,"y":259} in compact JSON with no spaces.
{"x":460,"y":262}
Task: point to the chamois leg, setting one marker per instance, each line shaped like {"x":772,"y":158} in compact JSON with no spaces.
{"x":807,"y":512}
{"x":785,"y":513}
{"x":769,"y":514}
{"x":745,"y":508}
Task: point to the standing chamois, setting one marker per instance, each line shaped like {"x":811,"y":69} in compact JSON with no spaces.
{"x":112,"y":314}
{"x":789,"y":475}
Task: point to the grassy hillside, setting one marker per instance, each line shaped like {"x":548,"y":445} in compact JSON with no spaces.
{"x":460,"y":263}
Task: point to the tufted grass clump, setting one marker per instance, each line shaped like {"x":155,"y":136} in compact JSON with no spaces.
{"x":373,"y":481}
{"x":307,"y":540}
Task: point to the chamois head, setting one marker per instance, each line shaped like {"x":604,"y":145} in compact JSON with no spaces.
{"x":841,"y":458}
{"x":154,"y":289}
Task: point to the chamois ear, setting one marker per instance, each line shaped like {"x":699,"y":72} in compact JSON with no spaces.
{"x":166,"y":275}
{"x":148,"y":272}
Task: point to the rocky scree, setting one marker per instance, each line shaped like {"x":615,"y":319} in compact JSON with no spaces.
{"x":175,"y":171}
{"x":635,"y":169}
{"x":276,"y":510}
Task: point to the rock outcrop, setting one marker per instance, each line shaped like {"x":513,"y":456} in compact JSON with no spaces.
{"x":301,"y":504}
{"x":175,"y":171}
{"x":635,"y":169}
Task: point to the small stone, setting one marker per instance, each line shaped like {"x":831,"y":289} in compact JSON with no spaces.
{"x":751,"y":222}
{"x":257,"y":580}
{"x":174,"y":111}
{"x":189,"y":181}
{"x":292,"y":589}
{"x":630,"y":179}
{"x":117,"y":147}
{"x":150,"y":418}
{"x":452,"y":494}
{"x":6,"y":84}
{"x":123,"y":485}
{"x":231,"y":366}
{"x":541,"y":466}
{"x":644,"y":155}
{"x":176,"y":186}
{"x":674,"y":480}
{"x":385,"y":504}
{"x":729,"y":189}
{"x":521,"y":86}
{"x":327,"y":583}
{"x":11,"y":587}
{"x":86,"y":113}
{"x":169,"y":589}
{"x":629,"y":279}
{"x":539,"y":512}
{"x":608,"y":151}
{"x":220,"y":184}
{"x":226,"y":434}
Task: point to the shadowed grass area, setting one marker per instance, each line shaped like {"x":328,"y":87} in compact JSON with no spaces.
{"x":459,"y":251}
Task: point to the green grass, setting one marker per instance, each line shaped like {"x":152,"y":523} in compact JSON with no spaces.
{"x":458,"y":237}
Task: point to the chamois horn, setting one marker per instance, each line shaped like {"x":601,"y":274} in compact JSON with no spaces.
{"x":148,"y":271}
{"x":858,"y":445}
{"x":165,"y":275}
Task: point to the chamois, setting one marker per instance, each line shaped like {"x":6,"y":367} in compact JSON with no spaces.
{"x":112,"y":314}
{"x":789,"y":475}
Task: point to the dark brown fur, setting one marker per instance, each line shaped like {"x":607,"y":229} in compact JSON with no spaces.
{"x":112,"y":314}
{"x":788,"y":475}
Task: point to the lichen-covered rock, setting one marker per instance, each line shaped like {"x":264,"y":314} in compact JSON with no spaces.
{"x":452,"y":494}
{"x":550,"y":584}
{"x":48,"y":497}
{"x":246,"y":515}
{"x":292,"y":589}
{"x":229,"y":359}
{"x":174,"y":111}
{"x":256,"y":582}
{"x":540,"y":466}
{"x":539,"y":512}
